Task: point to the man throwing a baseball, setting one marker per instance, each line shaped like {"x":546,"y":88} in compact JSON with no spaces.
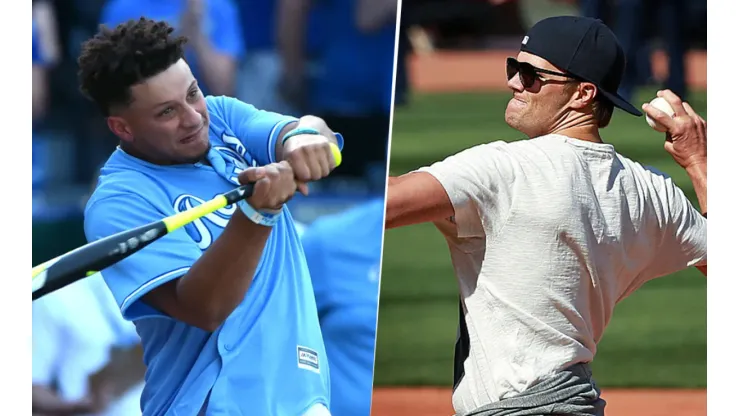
{"x":224,"y":306}
{"x":547,"y":235}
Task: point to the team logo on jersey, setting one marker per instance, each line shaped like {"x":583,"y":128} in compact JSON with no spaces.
{"x":236,"y":151}
{"x":241,"y":159}
{"x":235,"y":144}
{"x":219,"y":218}
{"x":308,"y":359}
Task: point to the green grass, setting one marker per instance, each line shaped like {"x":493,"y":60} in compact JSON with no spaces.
{"x":657,"y":337}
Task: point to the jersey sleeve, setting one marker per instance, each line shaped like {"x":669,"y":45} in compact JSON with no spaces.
{"x":684,"y":240}
{"x":164,"y":260}
{"x":257,"y":130}
{"x":226,"y":36}
{"x":476,"y":182}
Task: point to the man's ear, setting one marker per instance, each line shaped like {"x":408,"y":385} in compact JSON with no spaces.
{"x":120,"y":128}
{"x":584,"y":95}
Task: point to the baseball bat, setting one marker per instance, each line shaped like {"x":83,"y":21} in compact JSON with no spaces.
{"x":96,"y":256}
{"x":93,"y":257}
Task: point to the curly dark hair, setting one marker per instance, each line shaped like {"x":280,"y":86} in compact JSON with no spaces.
{"x":115,"y":59}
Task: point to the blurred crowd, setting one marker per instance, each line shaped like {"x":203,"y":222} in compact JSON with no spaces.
{"x":642,"y":26}
{"x":330,"y":58}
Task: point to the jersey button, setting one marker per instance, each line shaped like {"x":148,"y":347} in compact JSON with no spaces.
{"x":227,"y":347}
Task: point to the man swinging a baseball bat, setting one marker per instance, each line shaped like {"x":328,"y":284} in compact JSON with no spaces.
{"x":224,"y":306}
{"x":546,"y":235}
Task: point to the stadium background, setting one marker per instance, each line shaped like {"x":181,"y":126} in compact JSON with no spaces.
{"x":71,"y":140}
{"x":652,"y":359}
{"x":453,"y":99}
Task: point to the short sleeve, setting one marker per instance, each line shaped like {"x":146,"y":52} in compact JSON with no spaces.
{"x":258,"y":130}
{"x":476,"y":181}
{"x":226,"y":33}
{"x":162,"y":261}
{"x":684,"y":240}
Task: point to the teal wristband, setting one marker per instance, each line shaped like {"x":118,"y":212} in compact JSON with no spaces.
{"x":259,"y":217}
{"x":299,"y":130}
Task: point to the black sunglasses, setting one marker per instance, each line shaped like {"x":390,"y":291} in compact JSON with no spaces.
{"x":528,"y":73}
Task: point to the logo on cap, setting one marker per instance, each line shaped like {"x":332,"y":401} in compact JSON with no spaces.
{"x":525,"y":40}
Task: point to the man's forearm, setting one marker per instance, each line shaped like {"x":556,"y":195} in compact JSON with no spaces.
{"x":124,"y":370}
{"x":215,"y":285}
{"x":39,"y":93}
{"x":46,"y":402}
{"x":219,"y":70}
{"x":371,"y":15}
{"x":698,"y":175}
{"x":311,"y":122}
{"x":291,"y":30}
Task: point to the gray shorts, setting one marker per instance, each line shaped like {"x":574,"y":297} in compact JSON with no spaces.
{"x":571,"y":392}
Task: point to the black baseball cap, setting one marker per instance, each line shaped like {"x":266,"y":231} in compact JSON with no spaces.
{"x":585,"y":48}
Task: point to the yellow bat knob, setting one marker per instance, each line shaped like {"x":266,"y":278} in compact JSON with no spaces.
{"x":337,"y":154}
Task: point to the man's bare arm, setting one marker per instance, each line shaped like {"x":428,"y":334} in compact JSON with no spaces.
{"x":124,"y":370}
{"x":686,"y":141}
{"x":415,"y":198}
{"x":292,"y":18}
{"x":215,"y":285}
{"x":43,"y":14}
{"x":40,"y":92}
{"x":698,"y":175}
{"x":371,"y":15}
{"x":311,"y":122}
{"x":45,"y":402}
{"x":219,"y":70}
{"x":218,"y":281}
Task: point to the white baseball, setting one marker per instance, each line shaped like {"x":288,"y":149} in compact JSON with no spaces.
{"x":661,"y":104}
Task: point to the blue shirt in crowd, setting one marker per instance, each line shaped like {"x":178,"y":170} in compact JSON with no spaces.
{"x":354,"y":70}
{"x":343,"y":253}
{"x":221,"y":24}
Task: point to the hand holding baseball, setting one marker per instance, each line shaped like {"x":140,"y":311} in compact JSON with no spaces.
{"x":686,"y":131}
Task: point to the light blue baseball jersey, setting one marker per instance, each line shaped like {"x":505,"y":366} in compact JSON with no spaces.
{"x":343,"y":252}
{"x":268,"y":357}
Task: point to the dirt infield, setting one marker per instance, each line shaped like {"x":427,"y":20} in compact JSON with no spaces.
{"x":473,"y":71}
{"x":437,"y":402}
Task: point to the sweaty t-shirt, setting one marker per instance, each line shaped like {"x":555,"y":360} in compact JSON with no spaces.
{"x":549,"y":234}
